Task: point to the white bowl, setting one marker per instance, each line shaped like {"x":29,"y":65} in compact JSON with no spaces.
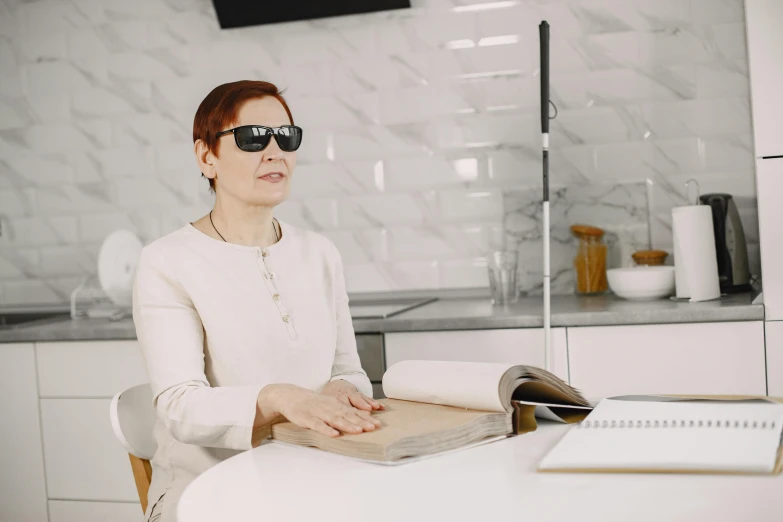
{"x":642,"y":282}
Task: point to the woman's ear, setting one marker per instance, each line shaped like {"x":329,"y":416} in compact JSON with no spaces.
{"x":205,"y":159}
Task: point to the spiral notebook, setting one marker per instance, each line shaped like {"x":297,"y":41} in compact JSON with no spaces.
{"x":657,"y":434}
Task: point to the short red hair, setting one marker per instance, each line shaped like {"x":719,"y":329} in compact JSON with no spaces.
{"x":220,"y":109}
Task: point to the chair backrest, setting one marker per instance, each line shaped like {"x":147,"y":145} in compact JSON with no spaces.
{"x":133,"y":420}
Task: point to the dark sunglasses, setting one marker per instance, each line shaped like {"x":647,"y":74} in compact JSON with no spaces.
{"x":255,"y":138}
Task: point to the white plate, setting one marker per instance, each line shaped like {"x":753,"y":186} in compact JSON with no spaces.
{"x":117,"y":261}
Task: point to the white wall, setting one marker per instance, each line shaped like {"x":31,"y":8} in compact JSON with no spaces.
{"x":421,"y":126}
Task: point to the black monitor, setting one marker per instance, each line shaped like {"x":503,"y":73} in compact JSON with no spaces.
{"x":243,"y":13}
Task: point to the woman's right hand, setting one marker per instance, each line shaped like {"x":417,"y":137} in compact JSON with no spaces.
{"x":318,"y":412}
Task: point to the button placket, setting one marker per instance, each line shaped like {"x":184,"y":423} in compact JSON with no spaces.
{"x":271,"y":286}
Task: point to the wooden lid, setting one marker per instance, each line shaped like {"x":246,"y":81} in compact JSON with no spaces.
{"x":586,"y":231}
{"x":650,"y":257}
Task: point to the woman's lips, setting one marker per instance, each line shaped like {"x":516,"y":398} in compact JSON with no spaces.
{"x":273,"y":177}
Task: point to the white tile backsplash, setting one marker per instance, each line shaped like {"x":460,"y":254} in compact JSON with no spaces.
{"x":717,"y":11}
{"x":725,"y":79}
{"x":422,"y":142}
{"x":39,"y":77}
{"x":13,"y":81}
{"x":464,"y":273}
{"x":368,"y":277}
{"x":31,"y":231}
{"x":60,"y":137}
{"x":29,"y":292}
{"x":379,"y":210}
{"x":96,"y":227}
{"x":8,"y":270}
{"x":96,"y":103}
{"x":415,"y":275}
{"x":69,"y":260}
{"x":14,"y":205}
{"x":42,"y":48}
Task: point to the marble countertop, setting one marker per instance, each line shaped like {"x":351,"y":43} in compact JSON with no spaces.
{"x":605,"y":310}
{"x":460,"y":314}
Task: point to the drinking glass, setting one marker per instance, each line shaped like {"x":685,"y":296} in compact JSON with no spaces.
{"x":502,"y":266}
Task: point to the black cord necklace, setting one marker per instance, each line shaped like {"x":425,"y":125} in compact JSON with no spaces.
{"x":277,"y":236}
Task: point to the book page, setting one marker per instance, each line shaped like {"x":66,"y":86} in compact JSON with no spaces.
{"x":404,"y":461}
{"x":672,"y":436}
{"x":408,"y":429}
{"x":468,"y":385}
{"x":558,"y":412}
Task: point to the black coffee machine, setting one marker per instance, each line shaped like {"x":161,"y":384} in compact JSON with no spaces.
{"x":730,"y":245}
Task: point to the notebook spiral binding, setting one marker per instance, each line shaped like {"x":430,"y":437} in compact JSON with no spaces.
{"x":678,"y":423}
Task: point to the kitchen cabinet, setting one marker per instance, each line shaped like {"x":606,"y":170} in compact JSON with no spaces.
{"x":697,"y":358}
{"x":73,"y":511}
{"x":774,"y":342}
{"x":91,"y":369}
{"x":22,"y":482}
{"x":512,"y":345}
{"x":769,"y":181}
{"x":764,"y":19}
{"x":83,"y":459}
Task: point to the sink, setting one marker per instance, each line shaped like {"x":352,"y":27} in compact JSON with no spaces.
{"x":383,"y":308}
{"x":10,"y":320}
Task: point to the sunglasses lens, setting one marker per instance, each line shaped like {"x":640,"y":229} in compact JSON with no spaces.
{"x":289,"y":138}
{"x":252,"y":139}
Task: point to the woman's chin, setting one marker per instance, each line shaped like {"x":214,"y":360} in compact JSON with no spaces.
{"x":267,"y":198}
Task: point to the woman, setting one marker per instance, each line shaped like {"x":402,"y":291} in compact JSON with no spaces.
{"x":243,"y":320}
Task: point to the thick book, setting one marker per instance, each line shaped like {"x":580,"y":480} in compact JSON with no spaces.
{"x":438,"y":406}
{"x":648,"y":434}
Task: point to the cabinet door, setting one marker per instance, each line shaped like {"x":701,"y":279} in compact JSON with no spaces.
{"x":774,"y":335}
{"x":764,"y":19}
{"x":769,"y":184}
{"x":22,"y":484}
{"x":515,"y":345}
{"x":83,"y":459}
{"x":89,"y":368}
{"x":702,"y":358}
{"x":71,"y":511}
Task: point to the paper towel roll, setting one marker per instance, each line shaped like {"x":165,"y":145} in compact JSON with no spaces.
{"x":695,"y":261}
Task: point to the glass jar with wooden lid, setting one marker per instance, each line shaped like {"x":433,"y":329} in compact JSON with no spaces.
{"x":590,"y":260}
{"x":650,"y":257}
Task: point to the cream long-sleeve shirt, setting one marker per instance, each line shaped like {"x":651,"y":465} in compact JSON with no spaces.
{"x":216,"y":323}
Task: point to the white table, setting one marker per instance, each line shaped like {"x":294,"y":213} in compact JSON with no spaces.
{"x":496,"y":481}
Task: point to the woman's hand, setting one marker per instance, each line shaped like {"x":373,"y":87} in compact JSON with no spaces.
{"x":307,"y":409}
{"x":347,"y":393}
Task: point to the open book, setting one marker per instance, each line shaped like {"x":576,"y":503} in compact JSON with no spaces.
{"x":674,"y":434}
{"x":436,"y":406}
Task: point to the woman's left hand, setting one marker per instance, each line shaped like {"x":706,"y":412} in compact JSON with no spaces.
{"x":347,"y":393}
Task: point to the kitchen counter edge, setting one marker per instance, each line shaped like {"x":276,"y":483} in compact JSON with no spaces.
{"x":453,"y":314}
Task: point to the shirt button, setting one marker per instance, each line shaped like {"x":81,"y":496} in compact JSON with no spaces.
{"x":264,"y":253}
{"x":286,"y":318}
{"x":271,"y":275}
{"x":276,"y":297}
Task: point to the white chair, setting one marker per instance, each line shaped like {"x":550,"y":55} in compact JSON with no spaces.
{"x":133,"y":419}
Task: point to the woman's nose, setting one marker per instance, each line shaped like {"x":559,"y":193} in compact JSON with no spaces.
{"x":273,"y":152}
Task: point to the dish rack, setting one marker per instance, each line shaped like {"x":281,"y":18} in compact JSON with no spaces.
{"x":89,"y":300}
